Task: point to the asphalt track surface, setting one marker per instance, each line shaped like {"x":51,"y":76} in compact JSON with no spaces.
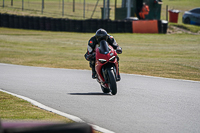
{"x":143,"y":104}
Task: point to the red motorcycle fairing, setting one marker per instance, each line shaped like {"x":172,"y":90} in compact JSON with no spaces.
{"x":103,"y":59}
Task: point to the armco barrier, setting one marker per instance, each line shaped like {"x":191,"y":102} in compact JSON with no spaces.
{"x":87,"y":26}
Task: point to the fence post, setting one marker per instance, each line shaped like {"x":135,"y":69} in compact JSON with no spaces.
{"x":167,"y":12}
{"x":22,"y":5}
{"x":128,"y":8}
{"x":108,"y":9}
{"x":11,"y":2}
{"x":104,"y":9}
{"x":63,"y":4}
{"x":73,"y":5}
{"x":94,"y":9}
{"x":84,"y":9}
{"x":42,"y":6}
{"x":3,"y":3}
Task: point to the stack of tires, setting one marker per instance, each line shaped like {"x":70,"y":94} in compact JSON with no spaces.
{"x":61,"y":24}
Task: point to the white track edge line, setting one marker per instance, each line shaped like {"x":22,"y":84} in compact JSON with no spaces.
{"x":73,"y":118}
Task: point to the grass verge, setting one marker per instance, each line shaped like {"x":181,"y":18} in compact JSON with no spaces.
{"x":15,"y":108}
{"x":171,"y":56}
{"x":188,"y":27}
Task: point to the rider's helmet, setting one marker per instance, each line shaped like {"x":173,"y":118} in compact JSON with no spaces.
{"x":101,"y":34}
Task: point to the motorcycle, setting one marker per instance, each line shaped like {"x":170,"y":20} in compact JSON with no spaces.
{"x":106,"y":66}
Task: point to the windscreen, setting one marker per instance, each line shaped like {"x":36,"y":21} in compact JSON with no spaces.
{"x":104,"y":49}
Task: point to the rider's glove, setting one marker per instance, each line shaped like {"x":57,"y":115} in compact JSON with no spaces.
{"x":119,"y":50}
{"x":89,"y":57}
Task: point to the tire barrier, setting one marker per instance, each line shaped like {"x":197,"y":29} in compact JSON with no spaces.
{"x":62,"y":24}
{"x":36,"y":23}
{"x":20,"y":22}
{"x":30,"y":23}
{"x":44,"y":127}
{"x":16,"y":21}
{"x":11,"y":21}
{"x":25,"y":22}
{"x":145,"y":26}
{"x":42,"y":23}
{"x":86,"y":26}
{"x":47,"y":24}
{"x":0,"y":19}
{"x":4,"y":20}
{"x":127,"y":26}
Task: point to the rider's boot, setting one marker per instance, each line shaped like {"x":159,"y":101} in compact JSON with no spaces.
{"x":93,"y":73}
{"x":118,"y":77}
{"x":118,"y":74}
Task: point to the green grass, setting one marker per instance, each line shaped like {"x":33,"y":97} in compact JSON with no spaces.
{"x":192,"y":28}
{"x":171,"y":56}
{"x":15,"y":108}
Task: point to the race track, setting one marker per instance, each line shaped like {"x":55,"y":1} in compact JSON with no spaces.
{"x":143,"y":104}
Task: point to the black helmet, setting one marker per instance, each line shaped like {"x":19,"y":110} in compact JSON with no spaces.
{"x":101,"y":34}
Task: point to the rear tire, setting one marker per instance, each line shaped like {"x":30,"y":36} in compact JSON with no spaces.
{"x":112,"y":84}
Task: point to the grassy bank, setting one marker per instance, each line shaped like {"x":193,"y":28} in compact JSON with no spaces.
{"x":15,"y":108}
{"x":171,"y":56}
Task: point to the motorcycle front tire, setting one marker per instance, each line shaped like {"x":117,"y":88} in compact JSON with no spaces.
{"x":105,"y":90}
{"x":112,"y":82}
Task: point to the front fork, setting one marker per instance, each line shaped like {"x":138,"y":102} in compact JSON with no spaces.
{"x":105,"y":73}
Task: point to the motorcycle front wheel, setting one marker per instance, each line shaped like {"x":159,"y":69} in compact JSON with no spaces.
{"x":112,"y":82}
{"x":105,"y":90}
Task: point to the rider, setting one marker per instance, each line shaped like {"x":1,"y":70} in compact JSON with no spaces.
{"x":101,"y":34}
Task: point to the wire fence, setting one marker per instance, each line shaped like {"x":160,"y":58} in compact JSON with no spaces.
{"x":72,"y":9}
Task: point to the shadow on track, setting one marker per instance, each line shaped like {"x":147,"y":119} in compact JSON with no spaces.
{"x":91,"y":93}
